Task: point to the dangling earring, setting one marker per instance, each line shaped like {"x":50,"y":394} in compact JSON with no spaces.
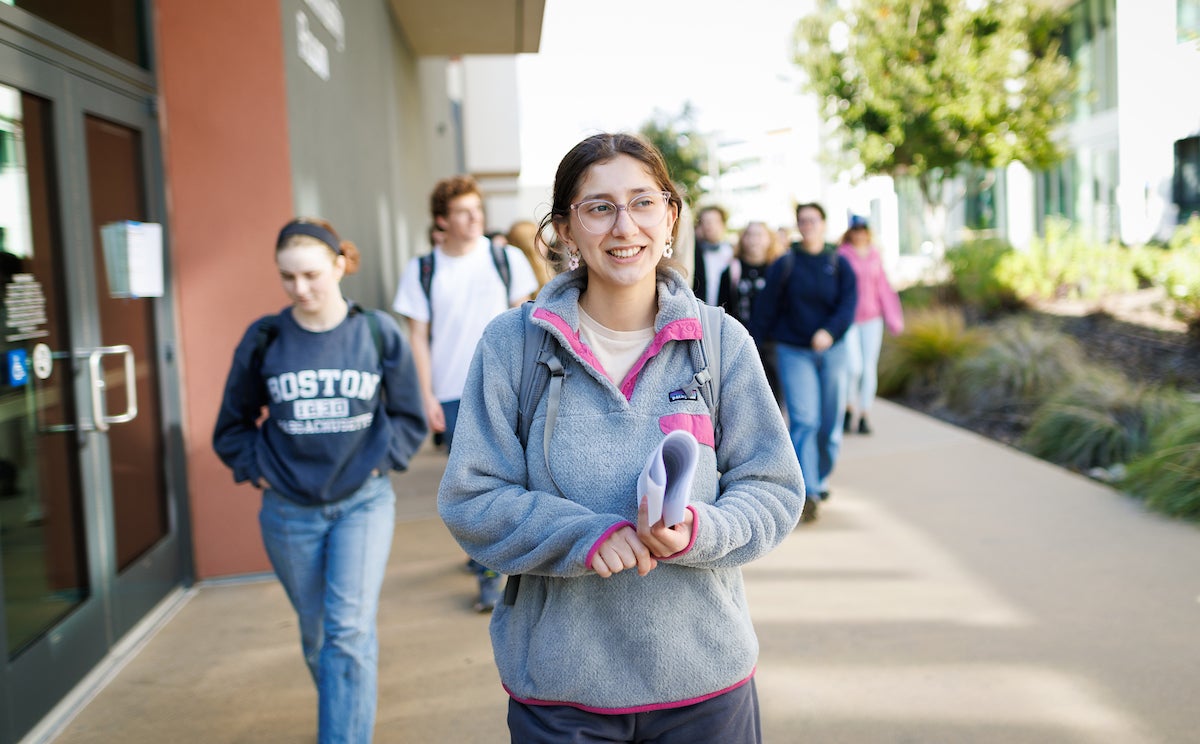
{"x":572,"y":258}
{"x":670,"y":249}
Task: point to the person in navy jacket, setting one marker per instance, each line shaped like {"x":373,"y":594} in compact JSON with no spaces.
{"x":805,"y":309}
{"x":343,"y":411}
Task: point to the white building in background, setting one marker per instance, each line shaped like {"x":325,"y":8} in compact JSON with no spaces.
{"x":1132,"y":170}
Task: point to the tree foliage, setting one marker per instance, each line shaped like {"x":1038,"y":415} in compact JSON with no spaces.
{"x":682,"y":147}
{"x":922,"y":87}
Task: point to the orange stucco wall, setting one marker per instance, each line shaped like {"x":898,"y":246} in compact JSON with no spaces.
{"x":228,"y":181}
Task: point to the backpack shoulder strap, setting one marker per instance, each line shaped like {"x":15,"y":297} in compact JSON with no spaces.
{"x":372,"y":318}
{"x":539,"y":365}
{"x":425,"y":267}
{"x":530,"y":371}
{"x":268,"y":329}
{"x":500,"y":259}
{"x":711,"y":321}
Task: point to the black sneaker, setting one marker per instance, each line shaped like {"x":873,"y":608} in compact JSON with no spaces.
{"x":848,"y":423}
{"x":490,"y":591}
{"x":862,"y":426}
{"x":809,"y":512}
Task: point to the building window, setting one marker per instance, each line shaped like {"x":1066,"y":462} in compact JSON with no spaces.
{"x":1187,"y":20}
{"x":1090,"y":41}
{"x":1187,"y":177}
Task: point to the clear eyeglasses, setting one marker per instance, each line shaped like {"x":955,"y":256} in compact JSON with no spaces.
{"x":646,"y":210}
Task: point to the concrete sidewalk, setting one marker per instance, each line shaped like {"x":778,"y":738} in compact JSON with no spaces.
{"x":953,"y":590}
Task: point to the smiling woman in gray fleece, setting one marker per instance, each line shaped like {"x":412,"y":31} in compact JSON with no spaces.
{"x":621,"y":630}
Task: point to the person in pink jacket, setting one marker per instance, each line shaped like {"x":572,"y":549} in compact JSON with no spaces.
{"x":878,"y":306}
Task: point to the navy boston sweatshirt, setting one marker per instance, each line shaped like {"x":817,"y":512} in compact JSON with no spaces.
{"x":338,"y":408}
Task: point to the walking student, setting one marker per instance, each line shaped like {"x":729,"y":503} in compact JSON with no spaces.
{"x":805,"y":309}
{"x":878,"y":306}
{"x":713,"y":252}
{"x":448,"y":297}
{"x":621,"y":630}
{"x":343,"y":411}
{"x":757,"y":248}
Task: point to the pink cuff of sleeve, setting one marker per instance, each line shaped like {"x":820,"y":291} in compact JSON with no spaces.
{"x":691,"y":542}
{"x":607,"y":534}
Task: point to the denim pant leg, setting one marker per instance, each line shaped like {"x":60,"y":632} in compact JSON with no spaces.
{"x":294,"y":537}
{"x":450,"y":412}
{"x":833,"y":382}
{"x":331,"y":560}
{"x":854,"y":365}
{"x":360,"y":540}
{"x":871,"y":333}
{"x":797,"y":369}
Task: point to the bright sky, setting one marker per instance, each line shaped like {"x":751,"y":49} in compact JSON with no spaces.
{"x":609,"y":66}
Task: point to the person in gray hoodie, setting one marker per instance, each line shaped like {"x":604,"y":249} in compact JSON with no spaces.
{"x":639,"y":631}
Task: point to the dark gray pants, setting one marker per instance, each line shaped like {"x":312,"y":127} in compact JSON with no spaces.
{"x":731,"y":718}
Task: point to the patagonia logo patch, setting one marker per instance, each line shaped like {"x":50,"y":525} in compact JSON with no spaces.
{"x":677,"y":395}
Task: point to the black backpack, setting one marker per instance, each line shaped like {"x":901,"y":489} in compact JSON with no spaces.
{"x":427,"y":263}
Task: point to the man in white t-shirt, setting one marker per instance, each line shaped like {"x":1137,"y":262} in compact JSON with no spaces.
{"x":448,"y":299}
{"x":467,"y":291}
{"x":713,"y":253}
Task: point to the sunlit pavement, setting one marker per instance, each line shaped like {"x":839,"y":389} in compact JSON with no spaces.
{"x":952,"y":590}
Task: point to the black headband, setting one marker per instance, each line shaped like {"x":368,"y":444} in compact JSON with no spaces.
{"x":312,"y":230}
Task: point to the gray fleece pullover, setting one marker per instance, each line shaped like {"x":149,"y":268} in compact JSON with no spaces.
{"x":629,"y":643}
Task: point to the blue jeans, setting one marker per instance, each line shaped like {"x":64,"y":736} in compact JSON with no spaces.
{"x":814,"y":391}
{"x":863,"y":342}
{"x":331,"y":560}
{"x":450,"y":412}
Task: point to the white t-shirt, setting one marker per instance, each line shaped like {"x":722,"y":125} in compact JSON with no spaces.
{"x":715,"y":263}
{"x":616,"y":350}
{"x":467,"y":293}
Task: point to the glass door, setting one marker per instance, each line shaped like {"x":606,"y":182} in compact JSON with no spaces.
{"x":90,"y":537}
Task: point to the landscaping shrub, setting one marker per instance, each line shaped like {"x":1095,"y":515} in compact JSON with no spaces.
{"x":924,"y":296}
{"x":1167,"y":476}
{"x":1101,"y":420}
{"x":1178,"y":271}
{"x":933,"y":339}
{"x":973,"y":275}
{"x":1067,"y":264}
{"x":1017,"y":369}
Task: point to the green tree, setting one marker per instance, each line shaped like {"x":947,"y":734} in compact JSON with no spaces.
{"x":682,"y":147}
{"x":924,"y":88}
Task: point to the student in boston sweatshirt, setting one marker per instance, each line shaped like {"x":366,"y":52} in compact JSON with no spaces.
{"x":621,"y":628}
{"x":343,"y":411}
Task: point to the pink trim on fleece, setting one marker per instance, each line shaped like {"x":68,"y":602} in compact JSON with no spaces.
{"x":607,"y":534}
{"x":572,"y":337}
{"x":699,"y":425}
{"x":684,"y":329}
{"x":636,"y":708}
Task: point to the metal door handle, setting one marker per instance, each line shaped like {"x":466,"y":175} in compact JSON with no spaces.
{"x":100,"y":419}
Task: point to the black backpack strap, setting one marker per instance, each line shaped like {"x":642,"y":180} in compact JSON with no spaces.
{"x":372,"y":319}
{"x":268,"y":329}
{"x":425,"y":266}
{"x":500,"y":259}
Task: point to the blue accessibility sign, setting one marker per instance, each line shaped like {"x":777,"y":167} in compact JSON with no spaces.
{"x":18,"y":367}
